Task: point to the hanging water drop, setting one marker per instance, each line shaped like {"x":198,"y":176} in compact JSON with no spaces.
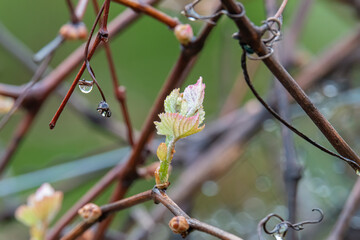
{"x":85,"y":86}
{"x":278,"y":236}
{"x":358,"y":172}
{"x":281,"y":231}
{"x":192,"y":19}
{"x":103,"y":109}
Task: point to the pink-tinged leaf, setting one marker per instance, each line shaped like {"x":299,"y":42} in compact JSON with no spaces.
{"x":178,"y":126}
{"x":45,"y":190}
{"x":193,"y":98}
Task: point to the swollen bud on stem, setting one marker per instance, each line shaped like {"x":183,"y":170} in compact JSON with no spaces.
{"x":184,"y":33}
{"x":179,"y":224}
{"x":74,"y":31}
{"x":183,"y":116}
{"x":161,"y":152}
{"x":90,"y":212}
{"x":6,"y":103}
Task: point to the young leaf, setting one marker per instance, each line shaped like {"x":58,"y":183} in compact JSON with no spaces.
{"x":193,"y":98}
{"x":171,"y":101}
{"x":184,"y":113}
{"x":178,"y":126}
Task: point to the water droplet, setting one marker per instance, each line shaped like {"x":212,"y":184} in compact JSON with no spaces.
{"x":85,"y":86}
{"x":358,"y":172}
{"x":269,"y":125}
{"x":316,"y":97}
{"x":210,"y":188}
{"x":192,"y":19}
{"x":355,"y":222}
{"x":106,"y":114}
{"x":278,"y":236}
{"x":281,"y":231}
{"x":330,"y":90}
{"x":103,"y":109}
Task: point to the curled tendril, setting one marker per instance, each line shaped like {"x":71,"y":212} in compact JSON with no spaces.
{"x":273,"y":27}
{"x":191,"y":14}
{"x":282,"y":227}
{"x":252,"y":57}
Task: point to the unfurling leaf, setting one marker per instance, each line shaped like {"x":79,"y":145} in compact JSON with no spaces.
{"x":171,"y":102}
{"x":184,"y":114}
{"x":41,"y":208}
{"x":192,"y":99}
{"x":178,"y":126}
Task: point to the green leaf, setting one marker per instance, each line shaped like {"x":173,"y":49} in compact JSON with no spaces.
{"x":26,"y":215}
{"x":178,"y":126}
{"x":171,"y":101}
{"x":201,"y":113}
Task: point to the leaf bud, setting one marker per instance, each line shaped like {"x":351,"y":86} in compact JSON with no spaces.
{"x":179,"y":224}
{"x":184,"y":33}
{"x":90,"y":212}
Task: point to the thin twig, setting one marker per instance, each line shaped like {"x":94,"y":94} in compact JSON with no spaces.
{"x":78,"y":103}
{"x":158,"y":196}
{"x":292,"y":171}
{"x":127,"y":172}
{"x":292,"y":33}
{"x":18,"y":102}
{"x":147,"y":9}
{"x":80,"y":8}
{"x":16,"y":48}
{"x":190,"y":52}
{"x":74,"y":18}
{"x":97,"y":41}
{"x":221,"y":154}
{"x":120,"y":95}
{"x":108,"y":209}
{"x":281,"y":9}
{"x":349,"y":209}
{"x":73,"y":85}
{"x":102,"y":36}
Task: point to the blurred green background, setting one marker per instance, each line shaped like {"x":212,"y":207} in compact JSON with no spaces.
{"x":144,"y":55}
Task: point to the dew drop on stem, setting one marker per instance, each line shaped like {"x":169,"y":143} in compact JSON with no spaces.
{"x":103,"y":109}
{"x":85,"y":86}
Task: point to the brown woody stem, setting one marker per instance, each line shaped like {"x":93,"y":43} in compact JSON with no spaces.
{"x":158,"y":196}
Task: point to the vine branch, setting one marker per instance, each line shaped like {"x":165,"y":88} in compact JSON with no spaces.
{"x":147,"y":9}
{"x":159,"y":196}
{"x":252,"y":36}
